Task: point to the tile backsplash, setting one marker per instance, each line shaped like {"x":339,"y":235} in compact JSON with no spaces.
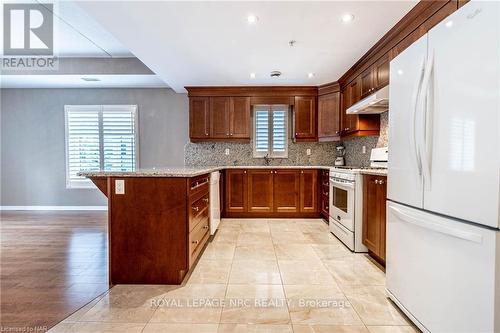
{"x":322,"y":153}
{"x":213,"y":154}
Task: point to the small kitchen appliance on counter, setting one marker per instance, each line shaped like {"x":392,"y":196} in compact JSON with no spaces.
{"x":340,"y":160}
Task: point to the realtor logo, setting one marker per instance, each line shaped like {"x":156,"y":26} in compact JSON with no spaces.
{"x":28,"y":29}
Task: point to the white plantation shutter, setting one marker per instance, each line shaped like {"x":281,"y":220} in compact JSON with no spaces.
{"x":118,"y":137}
{"x":271,"y":130}
{"x":99,"y":138}
{"x":261,"y":131}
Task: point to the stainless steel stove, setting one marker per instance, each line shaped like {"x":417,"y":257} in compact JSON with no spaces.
{"x":346,"y":200}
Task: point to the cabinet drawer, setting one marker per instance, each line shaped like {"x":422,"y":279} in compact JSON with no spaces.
{"x":197,"y":239}
{"x":199,"y":184}
{"x":198,"y":211}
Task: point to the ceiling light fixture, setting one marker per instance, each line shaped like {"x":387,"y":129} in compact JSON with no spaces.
{"x":449,"y":24}
{"x":252,"y":75}
{"x":310,"y":75}
{"x":252,"y":19}
{"x":91,"y":79}
{"x":347,"y":18}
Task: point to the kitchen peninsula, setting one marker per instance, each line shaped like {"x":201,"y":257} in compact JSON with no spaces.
{"x":158,"y":219}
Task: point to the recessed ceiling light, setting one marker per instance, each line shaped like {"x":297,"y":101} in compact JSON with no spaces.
{"x":346,"y":18}
{"x":252,"y":19}
{"x":400,"y":72}
{"x":252,"y":75}
{"x":90,"y":79}
{"x":310,"y":75}
{"x":449,"y":24}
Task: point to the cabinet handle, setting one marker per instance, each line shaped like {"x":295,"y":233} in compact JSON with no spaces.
{"x":231,"y":134}
{"x":205,"y":227}
{"x":205,"y":199}
{"x":195,"y":242}
{"x":376,"y":181}
{"x":196,"y":209}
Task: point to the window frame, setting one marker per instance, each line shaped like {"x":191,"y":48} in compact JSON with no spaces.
{"x":86,"y":183}
{"x":270,"y":151}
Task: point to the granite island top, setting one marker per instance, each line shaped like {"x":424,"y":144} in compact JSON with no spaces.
{"x":190,"y":171}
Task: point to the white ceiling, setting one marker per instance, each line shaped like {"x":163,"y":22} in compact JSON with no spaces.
{"x":75,"y":81}
{"x":77,"y":34}
{"x":211,"y":43}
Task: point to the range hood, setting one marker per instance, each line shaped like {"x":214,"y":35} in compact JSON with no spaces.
{"x":377,"y":102}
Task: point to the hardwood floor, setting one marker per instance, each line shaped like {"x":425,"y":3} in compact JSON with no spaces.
{"x":52,"y":264}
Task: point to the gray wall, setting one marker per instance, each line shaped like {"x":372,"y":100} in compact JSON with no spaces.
{"x":33,"y":148}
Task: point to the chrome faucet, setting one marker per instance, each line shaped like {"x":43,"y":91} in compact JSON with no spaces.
{"x":267,"y":160}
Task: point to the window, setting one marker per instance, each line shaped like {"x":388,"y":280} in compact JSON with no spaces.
{"x":271,"y":131}
{"x":99,"y":137}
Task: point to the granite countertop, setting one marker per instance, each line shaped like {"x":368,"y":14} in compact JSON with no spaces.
{"x":376,"y":172}
{"x":189,"y":171}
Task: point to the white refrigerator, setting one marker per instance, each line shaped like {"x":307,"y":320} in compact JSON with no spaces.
{"x":443,"y":237}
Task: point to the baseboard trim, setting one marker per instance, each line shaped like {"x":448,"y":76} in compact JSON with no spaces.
{"x":54,"y":208}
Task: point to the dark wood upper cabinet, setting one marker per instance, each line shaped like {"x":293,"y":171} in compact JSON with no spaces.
{"x":260,"y":191}
{"x":199,"y":117}
{"x":374,"y":213}
{"x":329,"y":116}
{"x":381,"y":72}
{"x":305,"y":118}
{"x":219,"y":117}
{"x":236,"y":192}
{"x":239,"y":118}
{"x":367,"y":83}
{"x":286,"y":190}
{"x":308,"y":191}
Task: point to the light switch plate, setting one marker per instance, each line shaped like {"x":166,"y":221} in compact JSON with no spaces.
{"x":119,"y":186}
{"x":308,"y":152}
{"x":226,"y":151}
{"x":363,"y":150}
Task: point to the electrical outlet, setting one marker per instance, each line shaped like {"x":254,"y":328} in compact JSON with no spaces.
{"x":226,"y":151}
{"x":120,"y":186}
{"x":364,"y":149}
{"x":308,"y":152}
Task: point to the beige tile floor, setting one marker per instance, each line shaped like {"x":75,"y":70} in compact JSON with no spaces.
{"x":272,"y":276}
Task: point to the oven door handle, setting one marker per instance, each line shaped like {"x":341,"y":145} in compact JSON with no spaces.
{"x":344,"y":186}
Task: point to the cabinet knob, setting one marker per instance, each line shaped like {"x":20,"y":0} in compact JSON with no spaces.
{"x":196,"y":209}
{"x":205,"y":199}
{"x":302,"y":171}
{"x":231,"y":134}
{"x":245,"y":171}
{"x":206,"y":133}
{"x":205,"y":227}
{"x":195,"y":242}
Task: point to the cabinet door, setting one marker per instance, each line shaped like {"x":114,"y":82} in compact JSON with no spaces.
{"x":350,"y":121}
{"x":381,"y":198}
{"x":329,"y":115}
{"x":199,"y":117}
{"x":309,"y":191}
{"x":219,"y":117}
{"x":381,"y":72}
{"x":305,"y":117}
{"x":239,"y":118}
{"x":366,"y":85}
{"x":260,"y":191}
{"x":371,"y":214}
{"x":286,"y":190}
{"x":236,"y":191}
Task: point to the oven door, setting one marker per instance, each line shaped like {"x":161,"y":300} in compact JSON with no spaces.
{"x":342,"y":203}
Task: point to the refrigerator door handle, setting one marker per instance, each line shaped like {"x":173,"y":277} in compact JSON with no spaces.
{"x":415,"y":103}
{"x":426,"y":137}
{"x":437,"y":227}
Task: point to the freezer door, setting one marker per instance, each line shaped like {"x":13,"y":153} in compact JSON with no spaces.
{"x":462,"y":150}
{"x":442,"y":271}
{"x":404,"y":182}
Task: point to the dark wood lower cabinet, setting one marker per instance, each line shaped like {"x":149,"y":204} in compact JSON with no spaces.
{"x":157,"y":228}
{"x":286,"y":191}
{"x":271,"y":193}
{"x":236,"y":200}
{"x":374,"y":213}
{"x":308,"y":191}
{"x":260,"y":191}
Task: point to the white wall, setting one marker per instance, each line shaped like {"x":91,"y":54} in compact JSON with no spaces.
{"x":32,"y":140}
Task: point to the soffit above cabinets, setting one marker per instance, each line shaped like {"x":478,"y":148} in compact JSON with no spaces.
{"x":212,"y":43}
